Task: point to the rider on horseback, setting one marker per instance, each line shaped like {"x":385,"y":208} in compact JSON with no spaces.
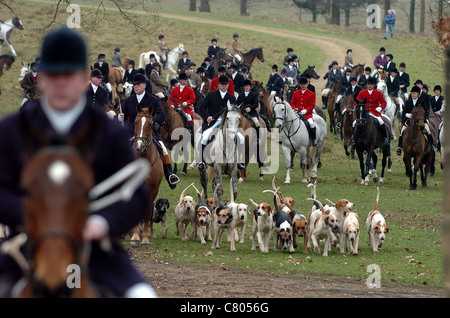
{"x":250,"y":103}
{"x":235,"y":50}
{"x":182,"y":98}
{"x":344,"y":84}
{"x":145,"y":100}
{"x":303,"y":102}
{"x":409,"y":106}
{"x":393,"y":86}
{"x":333,"y":75}
{"x":375,"y":104}
{"x":162,"y":50}
{"x":213,"y":49}
{"x":104,"y":68}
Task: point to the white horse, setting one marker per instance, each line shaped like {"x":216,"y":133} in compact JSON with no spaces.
{"x":24,"y":71}
{"x":127,"y":88}
{"x":172,"y":60}
{"x":295,"y":136}
{"x":6,"y":29}
{"x":391,"y":109}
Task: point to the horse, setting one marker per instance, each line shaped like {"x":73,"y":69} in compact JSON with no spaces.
{"x":295,"y":137}
{"x":265,"y":102}
{"x":391,"y":109}
{"x":173,"y":127}
{"x":367,"y":139}
{"x":331,"y":99}
{"x":223,"y":154}
{"x":252,"y":147}
{"x":7,"y":60}
{"x":250,"y":56}
{"x":311,"y":71}
{"x":219,"y":59}
{"x":347,"y":123}
{"x":417,"y":148}
{"x":25,"y":69}
{"x":115,"y":77}
{"x":358,"y":70}
{"x":57,"y":178}
{"x":145,"y":145}
{"x":172,"y":60}
{"x":6,"y":29}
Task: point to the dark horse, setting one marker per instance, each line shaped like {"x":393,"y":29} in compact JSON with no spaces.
{"x":416,"y":147}
{"x":6,"y":61}
{"x":330,"y":106}
{"x":347,"y":122}
{"x":219,"y":59}
{"x":250,"y":56}
{"x":368,"y":138}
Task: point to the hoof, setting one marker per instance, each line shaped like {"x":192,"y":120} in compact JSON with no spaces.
{"x":145,"y":245}
{"x":135,"y":243}
{"x":305,"y":181}
{"x":182,"y":173}
{"x":261,"y":179}
{"x":389,"y":170}
{"x":240,"y":180}
{"x":381,"y":180}
{"x":287,"y":183}
{"x":366,"y":183}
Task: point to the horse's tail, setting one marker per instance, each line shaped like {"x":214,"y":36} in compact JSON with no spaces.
{"x":378,"y":198}
{"x":142,"y":60}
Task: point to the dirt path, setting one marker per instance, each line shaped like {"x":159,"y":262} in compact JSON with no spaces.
{"x":181,"y":281}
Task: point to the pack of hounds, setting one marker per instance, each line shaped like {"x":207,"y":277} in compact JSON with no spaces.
{"x":328,"y":224}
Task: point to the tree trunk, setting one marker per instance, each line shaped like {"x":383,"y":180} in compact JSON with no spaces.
{"x":244,"y":7}
{"x":347,"y":17}
{"x":422,"y":16}
{"x":446,"y":199}
{"x":411,"y":16}
{"x":204,"y":6}
{"x":299,"y":14}
{"x":314,"y":14}
{"x":335,"y":13}
{"x":440,"y":8}
{"x":193,"y":5}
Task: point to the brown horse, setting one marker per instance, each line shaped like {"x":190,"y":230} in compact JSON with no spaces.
{"x":331,"y":99}
{"x":251,"y":146}
{"x":146,"y":147}
{"x":265,"y":102}
{"x":417,"y":148}
{"x":57,"y":179}
{"x":250,"y":56}
{"x":358,"y":70}
{"x":347,"y":123}
{"x":115,"y":78}
{"x":6,"y":61}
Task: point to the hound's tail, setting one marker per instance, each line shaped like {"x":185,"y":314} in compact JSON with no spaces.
{"x":375,"y":207}
{"x":313,"y":187}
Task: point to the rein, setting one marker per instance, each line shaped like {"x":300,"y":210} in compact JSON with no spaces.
{"x":285,"y":120}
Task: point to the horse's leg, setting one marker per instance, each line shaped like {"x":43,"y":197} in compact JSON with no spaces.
{"x":303,"y":162}
{"x":368,"y":166}
{"x":218,"y":180}
{"x":234,"y":182}
{"x":135,"y":239}
{"x":204,"y":181}
{"x":383,"y":165}
{"x":423,"y":176}
{"x":287,"y":163}
{"x":361,"y":164}
{"x":374,"y":166}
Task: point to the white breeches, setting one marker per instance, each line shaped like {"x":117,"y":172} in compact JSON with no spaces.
{"x":108,"y":87}
{"x":164,"y":149}
{"x":207,"y":132}
{"x":339,"y":98}
{"x":325,"y":92}
{"x":311,"y":123}
{"x":237,"y":57}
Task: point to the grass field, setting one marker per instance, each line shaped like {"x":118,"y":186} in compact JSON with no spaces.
{"x":412,"y":251}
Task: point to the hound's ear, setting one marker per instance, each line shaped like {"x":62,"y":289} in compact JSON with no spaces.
{"x":386,"y":229}
{"x":326,"y":218}
{"x":181,"y":203}
{"x":270,"y":209}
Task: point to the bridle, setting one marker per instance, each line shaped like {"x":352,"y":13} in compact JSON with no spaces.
{"x":145,"y":139}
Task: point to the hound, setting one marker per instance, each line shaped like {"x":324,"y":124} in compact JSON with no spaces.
{"x":376,"y":226}
{"x":262,"y":224}
{"x":160,"y":208}
{"x":321,"y":228}
{"x":351,"y":233}
{"x":185,"y":214}
{"x":340,"y":211}
{"x":282,"y":229}
{"x":299,"y":228}
{"x":223,"y":220}
{"x":203,"y":221}
{"x":239,"y":211}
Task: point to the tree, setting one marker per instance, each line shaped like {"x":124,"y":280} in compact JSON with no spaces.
{"x":193,"y":5}
{"x":314,"y":6}
{"x":204,"y":6}
{"x":335,"y":12}
{"x":412,"y":8}
{"x":422,"y":16}
{"x":244,"y":7}
{"x":348,"y":5}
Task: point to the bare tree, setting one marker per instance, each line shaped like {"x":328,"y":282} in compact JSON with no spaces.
{"x":422,"y":16}
{"x":335,"y":12}
{"x":316,"y":7}
{"x":193,"y":5}
{"x":412,"y":8}
{"x":244,"y":7}
{"x":204,"y":6}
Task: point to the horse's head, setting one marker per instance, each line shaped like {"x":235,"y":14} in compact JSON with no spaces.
{"x":359,"y":69}
{"x":418,"y":114}
{"x":348,"y":104}
{"x":258,"y":89}
{"x":361,"y":113}
{"x":127,"y":89}
{"x":56,"y":179}
{"x":143,"y":126}
{"x":206,"y":84}
{"x":259,"y":54}
{"x":311,"y":70}
{"x":279,"y":112}
{"x":232,"y":118}
{"x":17,"y":23}
{"x":114,"y":109}
{"x":382,"y":87}
{"x":24,"y":71}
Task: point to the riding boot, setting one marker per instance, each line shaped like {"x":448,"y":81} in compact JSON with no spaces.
{"x":398,"y":112}
{"x":384,"y":135}
{"x":313,"y":136}
{"x":324,"y":101}
{"x":171,"y":178}
{"x":202,"y":165}
{"x":400,"y":145}
{"x":431,"y":141}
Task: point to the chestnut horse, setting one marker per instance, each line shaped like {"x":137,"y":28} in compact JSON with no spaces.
{"x":57,"y":179}
{"x":115,"y":78}
{"x":331,"y":99}
{"x":417,"y":148}
{"x":265,"y":102}
{"x":358,"y":70}
{"x":250,"y":56}
{"x":145,"y":145}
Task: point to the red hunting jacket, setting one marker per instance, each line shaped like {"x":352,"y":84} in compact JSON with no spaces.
{"x":215,"y":85}
{"x":187,"y":95}
{"x":302,"y":101}
{"x":373,"y":101}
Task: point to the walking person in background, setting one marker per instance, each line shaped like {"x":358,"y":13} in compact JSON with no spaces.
{"x":390,"y":22}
